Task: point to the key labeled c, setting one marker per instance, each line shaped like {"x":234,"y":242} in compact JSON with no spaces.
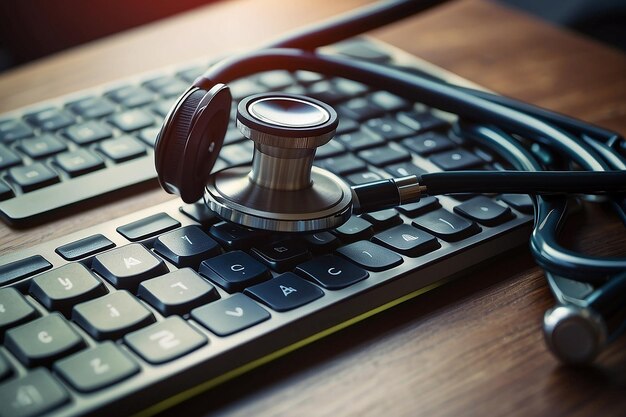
{"x":334,"y":271}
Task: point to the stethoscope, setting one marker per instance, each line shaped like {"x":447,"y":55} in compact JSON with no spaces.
{"x":284,"y":192}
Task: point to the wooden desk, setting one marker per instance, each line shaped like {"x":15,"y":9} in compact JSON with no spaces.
{"x":473,"y":347}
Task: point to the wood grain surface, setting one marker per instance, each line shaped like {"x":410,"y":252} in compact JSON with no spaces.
{"x":472,"y":347}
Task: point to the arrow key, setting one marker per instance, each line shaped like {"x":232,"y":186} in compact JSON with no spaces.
{"x":230,"y":315}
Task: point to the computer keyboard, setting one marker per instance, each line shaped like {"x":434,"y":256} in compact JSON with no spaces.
{"x":172,"y":299}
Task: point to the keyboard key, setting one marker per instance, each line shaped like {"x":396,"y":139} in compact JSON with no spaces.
{"x":66,"y":286}
{"x":361,"y":139}
{"x":520,"y":202}
{"x":131,"y":120}
{"x":230,"y":315}
{"x":321,"y":242}
{"x":92,"y":107}
{"x":308,"y":77}
{"x":131,"y":96}
{"x":404,"y":169}
{"x":167,"y":86}
{"x":50,"y":119}
{"x":407,"y":240}
{"x":332,"y":148}
{"x":383,"y":219}
{"x":328,"y":92}
{"x":42,"y":146}
{"x":23,"y":268}
{"x":127,"y":266}
{"x":149,"y":135}
{"x":187,"y":246}
{"x":34,"y":394}
{"x":96,"y":368}
{"x":199,"y":212}
{"x":89,"y":132}
{"x":79,"y":162}
{"x":456,"y":160}
{"x":370,"y":256}
{"x":148,"y":227}
{"x":425,"y":205}
{"x":385,"y":155}
{"x":421,"y":122}
{"x":363,"y":177}
{"x":360,"y":109}
{"x":275,"y":80}
{"x":356,"y":228}
{"x":6,"y":369}
{"x":484,"y":211}
{"x":122,"y":148}
{"x":346,"y":125}
{"x":177,"y":292}
{"x":112,"y":316}
{"x":350,"y":87}
{"x":5,"y":191}
{"x":8,"y":158}
{"x":84,"y":247}
{"x":235,"y":237}
{"x":388,"y":128}
{"x":33,"y":177}
{"x":13,"y":129}
{"x":14,"y":309}
{"x":165,"y":341}
{"x":389,"y":102}
{"x":363,"y":51}
{"x":245,"y":87}
{"x":234,"y":271}
{"x":331,"y":272}
{"x":282,"y":256}
{"x":285,"y":292}
{"x":429,"y":142}
{"x":190,"y":74}
{"x":446,"y":225}
{"x":342,"y":165}
{"x":43,"y":340}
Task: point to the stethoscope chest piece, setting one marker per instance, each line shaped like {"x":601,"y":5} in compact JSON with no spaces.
{"x":283,"y":191}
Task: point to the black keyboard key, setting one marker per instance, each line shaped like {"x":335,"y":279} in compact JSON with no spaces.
{"x":404,"y":169}
{"x":187,"y":246}
{"x":84,"y":247}
{"x":190,"y":74}
{"x":456,"y":159}
{"x":245,"y":87}
{"x":42,"y":146}
{"x":234,"y":271}
{"x":50,"y":119}
{"x":149,"y":135}
{"x":66,"y":286}
{"x":342,"y":165}
{"x":230,"y":315}
{"x":356,"y":228}
{"x":385,"y":155}
{"x":235,"y":237}
{"x":237,"y":154}
{"x":43,"y":340}
{"x":165,"y":341}
{"x":79,"y":162}
{"x":34,"y":394}
{"x":275,"y":80}
{"x":127,"y":266}
{"x":13,"y":129}
{"x":520,"y":202}
{"x":14,"y":309}
{"x":131,"y":96}
{"x":332,"y":272}
{"x":5,"y":191}
{"x":346,"y":125}
{"x":389,"y":102}
{"x":177,"y":292}
{"x":446,"y":225}
{"x":360,"y":109}
{"x":407,"y":240}
{"x":285,"y":292}
{"x":112,"y":316}
{"x":122,"y":148}
{"x":8,"y":158}
{"x":350,"y":87}
{"x":282,"y":256}
{"x":484,"y":211}
{"x":321,"y":242}
{"x":429,"y":142}
{"x":383,"y":219}
{"x":200,"y":213}
{"x":363,"y":177}
{"x":360,"y":139}
{"x":370,"y":256}
{"x":421,"y":122}
{"x":92,"y":107}
{"x":96,"y":368}
{"x":131,"y":120}
{"x":33,"y":177}
{"x":363,"y":51}
{"x":308,"y":77}
{"x":148,"y":227}
{"x":6,"y":369}
{"x":327,"y":92}
{"x":332,"y":148}
{"x":388,"y":128}
{"x":167,"y":86}
{"x":89,"y":132}
{"x":425,"y":205}
{"x":23,"y":268}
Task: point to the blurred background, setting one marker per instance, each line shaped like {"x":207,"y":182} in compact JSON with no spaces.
{"x":31,"y":29}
